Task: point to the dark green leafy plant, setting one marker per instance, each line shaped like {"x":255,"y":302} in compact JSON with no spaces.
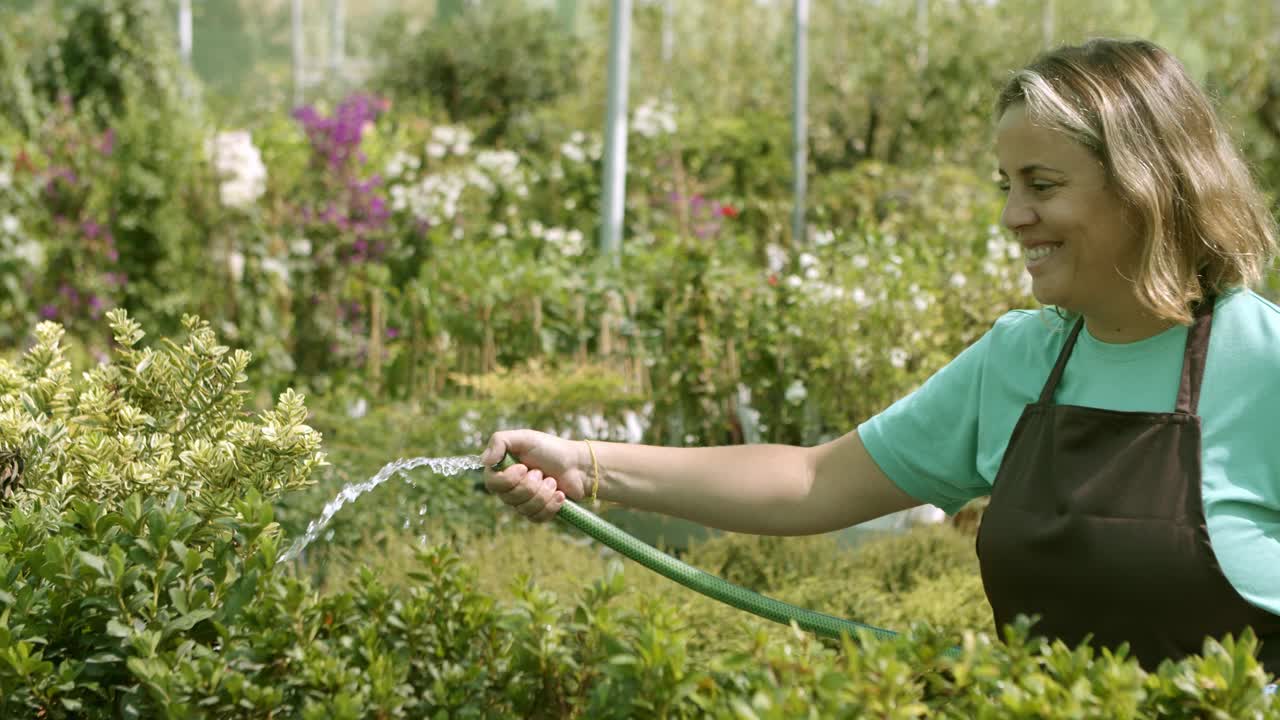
{"x":484,"y":67}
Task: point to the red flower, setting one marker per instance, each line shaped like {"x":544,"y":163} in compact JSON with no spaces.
{"x":728,"y":211}
{"x":773,"y":280}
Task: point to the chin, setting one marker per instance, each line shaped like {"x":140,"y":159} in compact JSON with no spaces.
{"x":1050,"y":296}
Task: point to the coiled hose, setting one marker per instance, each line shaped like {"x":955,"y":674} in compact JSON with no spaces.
{"x":704,"y":582}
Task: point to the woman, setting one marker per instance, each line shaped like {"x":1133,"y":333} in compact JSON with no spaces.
{"x":1124,"y":433}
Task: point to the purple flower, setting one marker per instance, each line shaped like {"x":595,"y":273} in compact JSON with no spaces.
{"x":49,"y":312}
{"x":393,"y":333}
{"x":91,"y":229}
{"x":108,"y":142}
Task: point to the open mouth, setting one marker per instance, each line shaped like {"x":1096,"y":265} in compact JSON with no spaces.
{"x":1038,"y":254}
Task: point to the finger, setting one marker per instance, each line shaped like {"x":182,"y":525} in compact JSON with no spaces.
{"x":494,"y":450}
{"x":505,"y":481}
{"x":553,"y":507}
{"x":541,"y":497}
{"x":526,"y":490}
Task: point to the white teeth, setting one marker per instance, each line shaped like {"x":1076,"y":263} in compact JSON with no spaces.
{"x":1040,"y":251}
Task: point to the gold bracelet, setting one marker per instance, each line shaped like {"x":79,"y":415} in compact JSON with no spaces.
{"x":595,"y":467}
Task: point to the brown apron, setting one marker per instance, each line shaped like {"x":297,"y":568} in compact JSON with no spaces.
{"x":1096,"y":525}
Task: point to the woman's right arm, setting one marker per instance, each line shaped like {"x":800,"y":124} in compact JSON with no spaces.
{"x":759,"y":489}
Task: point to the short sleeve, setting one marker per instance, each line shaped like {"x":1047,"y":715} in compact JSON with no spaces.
{"x":927,"y":442}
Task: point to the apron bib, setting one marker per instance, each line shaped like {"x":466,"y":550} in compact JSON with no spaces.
{"x":1096,"y":524}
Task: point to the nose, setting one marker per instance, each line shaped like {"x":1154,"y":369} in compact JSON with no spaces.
{"x":1017,"y":213}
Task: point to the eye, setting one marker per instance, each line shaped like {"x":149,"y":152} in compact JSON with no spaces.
{"x":1042,"y":186}
{"x":1002,"y":186}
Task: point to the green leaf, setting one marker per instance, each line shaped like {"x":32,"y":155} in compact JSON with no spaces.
{"x":189,"y":620}
{"x":93,"y":561}
{"x":115,"y":628}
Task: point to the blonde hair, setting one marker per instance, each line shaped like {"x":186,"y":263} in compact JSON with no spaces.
{"x":1206,"y":226}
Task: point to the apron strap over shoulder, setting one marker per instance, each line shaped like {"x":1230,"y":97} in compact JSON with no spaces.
{"x":1194,"y":359}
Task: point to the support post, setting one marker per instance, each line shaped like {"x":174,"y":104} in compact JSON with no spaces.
{"x":337,"y":40}
{"x":299,"y":56}
{"x":799,"y":126}
{"x":615,"y":151}
{"x":184,"y":31}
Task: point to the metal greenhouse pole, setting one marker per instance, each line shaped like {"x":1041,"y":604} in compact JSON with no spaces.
{"x":184,"y":31}
{"x":299,"y":57}
{"x":337,"y":40}
{"x":799,"y":127}
{"x":613,"y":200}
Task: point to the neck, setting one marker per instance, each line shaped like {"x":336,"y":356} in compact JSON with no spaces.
{"x":1124,"y":327}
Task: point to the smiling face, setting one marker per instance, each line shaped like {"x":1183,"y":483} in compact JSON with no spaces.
{"x":1080,"y":251}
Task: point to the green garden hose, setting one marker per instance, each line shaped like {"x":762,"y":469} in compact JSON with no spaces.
{"x":704,"y":582}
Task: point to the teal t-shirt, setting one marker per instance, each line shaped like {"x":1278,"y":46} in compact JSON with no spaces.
{"x":943,"y":443}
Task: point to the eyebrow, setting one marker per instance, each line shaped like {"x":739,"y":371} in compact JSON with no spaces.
{"x":1028,"y":169}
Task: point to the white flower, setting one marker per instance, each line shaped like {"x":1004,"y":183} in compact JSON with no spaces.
{"x":776,"y":257}
{"x":796,"y":393}
{"x":30,"y":252}
{"x":861,"y":261}
{"x":502,"y":163}
{"x":9,"y":225}
{"x":301,"y":246}
{"x":400,"y":162}
{"x":568,"y":242}
{"x":811,"y":273}
{"x":6,"y":179}
{"x":958,"y":280}
{"x":898,"y":358}
{"x":654,"y":118}
{"x":574,"y":152}
{"x":794,"y":281}
{"x":860,"y":297}
{"x":573,"y":241}
{"x":436,"y":151}
{"x":535,"y":229}
{"x":499,"y":230}
{"x":570,"y":203}
{"x":235,"y":263}
{"x":275,"y":267}
{"x":450,"y":139}
{"x":807,"y":260}
{"x":239,"y":165}
{"x":822,"y":238}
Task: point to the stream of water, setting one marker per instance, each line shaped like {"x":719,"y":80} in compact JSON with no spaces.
{"x":446,"y":466}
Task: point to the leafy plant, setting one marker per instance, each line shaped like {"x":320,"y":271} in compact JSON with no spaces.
{"x":154,"y":420}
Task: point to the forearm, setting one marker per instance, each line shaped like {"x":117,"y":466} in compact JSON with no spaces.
{"x":760,"y":489}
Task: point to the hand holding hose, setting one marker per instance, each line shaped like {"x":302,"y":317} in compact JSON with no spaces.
{"x":550,"y":469}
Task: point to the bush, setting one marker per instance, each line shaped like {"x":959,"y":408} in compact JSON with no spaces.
{"x":484,"y":67}
{"x":153,"y":420}
{"x":138,"y":561}
{"x":110,"y":50}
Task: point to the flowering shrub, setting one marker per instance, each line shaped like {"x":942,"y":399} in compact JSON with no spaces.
{"x":239,"y":165}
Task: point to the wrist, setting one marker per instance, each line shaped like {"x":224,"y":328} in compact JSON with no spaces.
{"x":591,"y":471}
